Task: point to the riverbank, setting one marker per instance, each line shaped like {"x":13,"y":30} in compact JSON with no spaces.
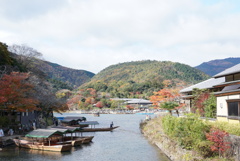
{"x":118,"y":111}
{"x":187,"y":136}
{"x":152,"y":130}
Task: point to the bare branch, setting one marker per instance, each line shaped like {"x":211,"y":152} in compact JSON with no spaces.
{"x":25,"y":54}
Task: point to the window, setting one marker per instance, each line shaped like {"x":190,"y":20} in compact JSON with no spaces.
{"x":229,"y":78}
{"x":237,"y":76}
{"x":233,"y":109}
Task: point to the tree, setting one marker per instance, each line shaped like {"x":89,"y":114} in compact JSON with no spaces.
{"x":217,"y":137}
{"x":7,"y":63}
{"x":48,"y":101}
{"x":5,"y":59}
{"x":210,"y":106}
{"x":26,"y":55}
{"x":166,"y":99}
{"x":99,"y":104}
{"x":204,"y":103}
{"x":16,"y":93}
{"x":169,"y":106}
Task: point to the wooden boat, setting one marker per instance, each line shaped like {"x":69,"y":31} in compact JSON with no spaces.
{"x":73,"y":121}
{"x":87,"y":139}
{"x":74,"y":141}
{"x":43,"y":139}
{"x":42,"y":146}
{"x":98,"y":129}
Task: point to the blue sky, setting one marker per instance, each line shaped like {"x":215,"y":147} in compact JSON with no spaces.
{"x":93,"y":34}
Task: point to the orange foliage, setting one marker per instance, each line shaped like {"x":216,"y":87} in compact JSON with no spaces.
{"x":15,"y":93}
{"x":164,"y":95}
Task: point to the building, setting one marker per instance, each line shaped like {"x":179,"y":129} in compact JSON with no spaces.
{"x":207,"y":84}
{"x":226,"y":87}
{"x":135,"y":102}
{"x":228,"y":99}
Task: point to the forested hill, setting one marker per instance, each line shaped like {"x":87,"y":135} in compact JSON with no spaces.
{"x":214,"y":67}
{"x":73,"y":77}
{"x":143,"y":77}
{"x":24,"y":59}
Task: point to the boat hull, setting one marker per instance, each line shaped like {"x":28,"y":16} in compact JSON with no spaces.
{"x":98,"y":129}
{"x":74,"y":141}
{"x":40,"y":146}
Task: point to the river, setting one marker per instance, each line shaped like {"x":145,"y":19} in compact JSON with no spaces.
{"x":125,"y":143}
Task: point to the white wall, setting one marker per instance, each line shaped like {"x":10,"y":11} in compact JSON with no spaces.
{"x":222,"y":104}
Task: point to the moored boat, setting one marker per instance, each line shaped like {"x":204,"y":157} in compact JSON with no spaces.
{"x":74,"y":140}
{"x":42,"y":139}
{"x":98,"y":129}
{"x":42,"y":146}
{"x":87,"y":139}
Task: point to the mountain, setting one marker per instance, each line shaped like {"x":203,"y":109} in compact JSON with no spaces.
{"x":61,"y":77}
{"x":72,"y":77}
{"x":143,"y":77}
{"x":216,"y":66}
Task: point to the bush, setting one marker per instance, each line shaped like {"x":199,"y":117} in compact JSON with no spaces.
{"x":188,"y":131}
{"x":231,"y":128}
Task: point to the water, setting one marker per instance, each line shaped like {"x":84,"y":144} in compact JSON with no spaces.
{"x":125,"y":143}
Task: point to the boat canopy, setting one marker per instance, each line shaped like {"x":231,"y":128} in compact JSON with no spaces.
{"x":43,"y":133}
{"x":89,"y":123}
{"x":66,"y":129}
{"x":71,"y":118}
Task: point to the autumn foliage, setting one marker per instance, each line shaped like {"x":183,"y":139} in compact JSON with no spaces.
{"x":15,"y":93}
{"x":217,"y":137}
{"x":164,"y":95}
{"x":99,"y":104}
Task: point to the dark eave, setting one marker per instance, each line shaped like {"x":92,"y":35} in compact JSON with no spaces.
{"x":227,"y":83}
{"x":226,"y":93}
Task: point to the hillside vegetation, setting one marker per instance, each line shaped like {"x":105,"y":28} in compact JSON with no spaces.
{"x":72,"y":77}
{"x":26,"y":59}
{"x":143,"y":77}
{"x":214,"y":67}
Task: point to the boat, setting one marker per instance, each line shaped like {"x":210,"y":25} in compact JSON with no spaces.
{"x":74,"y":140}
{"x":43,"y":139}
{"x":73,"y":121}
{"x":42,"y":146}
{"x":87,"y":139}
{"x":98,"y":129}
{"x":96,"y":114}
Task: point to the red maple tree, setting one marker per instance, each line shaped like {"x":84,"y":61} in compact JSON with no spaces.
{"x":99,"y":104}
{"x":217,"y":137}
{"x":15,"y":93}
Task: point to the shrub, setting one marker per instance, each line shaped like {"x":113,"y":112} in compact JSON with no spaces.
{"x":231,"y":128}
{"x":188,"y":131}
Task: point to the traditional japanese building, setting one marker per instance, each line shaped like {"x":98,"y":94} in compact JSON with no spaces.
{"x":226,"y":87}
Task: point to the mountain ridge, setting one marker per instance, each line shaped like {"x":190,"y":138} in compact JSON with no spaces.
{"x":216,"y":66}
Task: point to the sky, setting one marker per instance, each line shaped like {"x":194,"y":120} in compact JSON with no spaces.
{"x":94,"y":34}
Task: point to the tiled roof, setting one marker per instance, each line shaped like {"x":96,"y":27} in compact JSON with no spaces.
{"x":232,"y":70}
{"x":207,"y":84}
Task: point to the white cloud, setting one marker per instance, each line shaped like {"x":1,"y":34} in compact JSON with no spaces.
{"x":93,"y":34}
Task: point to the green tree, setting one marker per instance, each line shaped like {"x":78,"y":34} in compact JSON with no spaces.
{"x":169,"y":106}
{"x":210,"y":107}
